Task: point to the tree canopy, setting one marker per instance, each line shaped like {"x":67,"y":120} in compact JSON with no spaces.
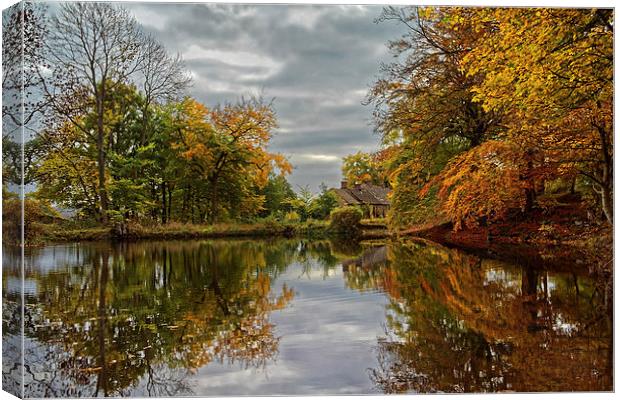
{"x":485,"y":106}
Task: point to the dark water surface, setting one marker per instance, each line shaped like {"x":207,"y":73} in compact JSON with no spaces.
{"x":222,"y":317}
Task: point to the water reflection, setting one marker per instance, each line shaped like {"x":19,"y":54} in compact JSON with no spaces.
{"x":458,"y":323}
{"x":167,"y":318}
{"x":129,"y":314}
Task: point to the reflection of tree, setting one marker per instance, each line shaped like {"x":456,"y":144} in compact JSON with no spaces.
{"x":143,"y":316}
{"x":12,"y":370}
{"x":371,"y":271}
{"x":458,"y":323}
{"x":326,"y":254}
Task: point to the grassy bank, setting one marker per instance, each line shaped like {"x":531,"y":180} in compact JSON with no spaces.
{"x":74,"y":232}
{"x":60,"y":233}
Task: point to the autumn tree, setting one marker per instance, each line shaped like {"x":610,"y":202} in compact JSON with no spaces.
{"x":551,"y":70}
{"x":363,"y":168}
{"x":524,"y":92}
{"x":423,"y":104}
{"x":484,"y":183}
{"x":227,"y":150}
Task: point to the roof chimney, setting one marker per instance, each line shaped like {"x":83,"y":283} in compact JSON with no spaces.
{"x":343,"y":184}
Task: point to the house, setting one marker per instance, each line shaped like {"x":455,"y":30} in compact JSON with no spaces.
{"x":372,"y":199}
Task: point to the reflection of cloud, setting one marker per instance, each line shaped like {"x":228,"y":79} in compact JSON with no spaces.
{"x":326,"y":333}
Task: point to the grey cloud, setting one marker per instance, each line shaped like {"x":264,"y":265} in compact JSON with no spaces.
{"x":317,"y":61}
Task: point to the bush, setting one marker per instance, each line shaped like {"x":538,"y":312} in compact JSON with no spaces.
{"x":346,"y":220}
{"x":291,"y":217}
{"x":36,"y":213}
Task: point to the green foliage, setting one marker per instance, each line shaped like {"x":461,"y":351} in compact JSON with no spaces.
{"x":178,"y":161}
{"x":307,"y":205}
{"x":302,"y":203}
{"x":278,"y":194}
{"x":323,"y":204}
{"x":291,"y":216}
{"x":346,"y":220}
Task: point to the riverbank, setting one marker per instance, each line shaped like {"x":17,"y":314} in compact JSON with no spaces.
{"x":134,"y":231}
{"x":563,"y":239}
{"x":533,"y":232}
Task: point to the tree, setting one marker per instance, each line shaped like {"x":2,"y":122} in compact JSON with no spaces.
{"x":552,"y":71}
{"x":228,"y":150}
{"x":484,"y":183}
{"x":424,"y":107}
{"x":24,"y":34}
{"x":323,"y":204}
{"x":278,"y":194}
{"x":164,"y":79}
{"x":67,"y":173}
{"x":363,"y":167}
{"x":302,"y":203}
{"x":93,"y":49}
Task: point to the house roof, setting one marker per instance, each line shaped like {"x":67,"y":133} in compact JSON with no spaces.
{"x":364,"y":194}
{"x":346,"y":196}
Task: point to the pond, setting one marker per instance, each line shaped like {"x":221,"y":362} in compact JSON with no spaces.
{"x":252,"y":317}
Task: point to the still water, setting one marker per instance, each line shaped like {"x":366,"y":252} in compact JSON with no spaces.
{"x":232,"y":317}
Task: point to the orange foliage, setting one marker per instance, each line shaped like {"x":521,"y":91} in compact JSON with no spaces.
{"x":484,"y":182}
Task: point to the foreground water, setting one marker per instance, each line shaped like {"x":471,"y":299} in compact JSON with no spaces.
{"x":297,"y":317}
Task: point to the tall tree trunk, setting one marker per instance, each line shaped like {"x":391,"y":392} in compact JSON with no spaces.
{"x":530,"y":196}
{"x":185,"y":201}
{"x":103,"y":193}
{"x":213,"y":206}
{"x":154,"y":198}
{"x":101,"y":157}
{"x":169,"y":202}
{"x":163,"y":202}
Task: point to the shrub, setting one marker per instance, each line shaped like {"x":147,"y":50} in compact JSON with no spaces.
{"x":36,"y":213}
{"x":346,"y":220}
{"x":291,"y":217}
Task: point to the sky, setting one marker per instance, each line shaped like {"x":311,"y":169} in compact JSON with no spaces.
{"x":317,"y":62}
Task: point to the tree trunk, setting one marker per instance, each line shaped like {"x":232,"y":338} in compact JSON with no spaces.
{"x":154,"y":198}
{"x":101,"y":153}
{"x":169,"y":203}
{"x":163,"y":202}
{"x":530,"y":196}
{"x":103,"y":194}
{"x":607,"y":203}
{"x":213,"y":206}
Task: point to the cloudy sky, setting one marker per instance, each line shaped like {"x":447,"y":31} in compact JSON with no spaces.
{"x":316,"y":61}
